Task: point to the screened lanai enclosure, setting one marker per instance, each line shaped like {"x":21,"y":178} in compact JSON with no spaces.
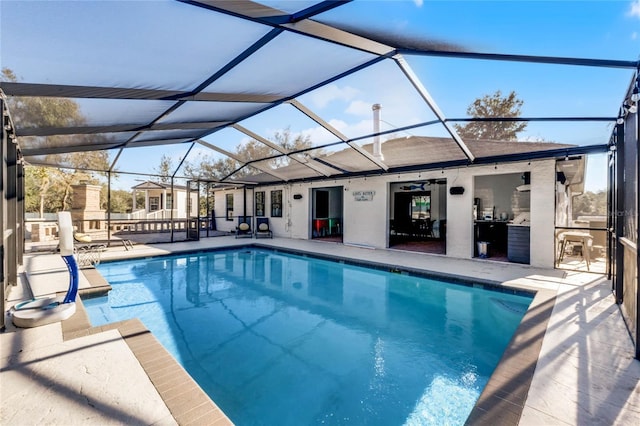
{"x":206,"y":112}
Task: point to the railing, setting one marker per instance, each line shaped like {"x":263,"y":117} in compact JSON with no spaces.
{"x":158,"y":214}
{"x":147,"y":226}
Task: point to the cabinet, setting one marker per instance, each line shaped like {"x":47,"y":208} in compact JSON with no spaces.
{"x":493,"y":232}
{"x":518,"y":244}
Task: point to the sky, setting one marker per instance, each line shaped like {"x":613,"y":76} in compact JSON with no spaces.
{"x":135,"y":44}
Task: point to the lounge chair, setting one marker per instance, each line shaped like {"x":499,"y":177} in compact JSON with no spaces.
{"x":85,"y":242}
{"x":79,"y":237}
{"x":88,"y":252}
{"x":262,"y":228}
{"x":243,"y":230}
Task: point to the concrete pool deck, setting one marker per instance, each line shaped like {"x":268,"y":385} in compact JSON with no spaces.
{"x":573,"y":367}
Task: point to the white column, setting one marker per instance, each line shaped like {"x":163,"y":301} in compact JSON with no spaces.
{"x":377,"y":146}
{"x":163,"y":202}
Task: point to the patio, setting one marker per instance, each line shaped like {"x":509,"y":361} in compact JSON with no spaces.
{"x":582,"y":371}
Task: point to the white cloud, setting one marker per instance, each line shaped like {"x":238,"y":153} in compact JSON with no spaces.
{"x":360,"y":108}
{"x":634,"y":35}
{"x":418,"y":3}
{"x":339,"y":124}
{"x":319,"y":135}
{"x":322,"y":97}
{"x":634,"y":10}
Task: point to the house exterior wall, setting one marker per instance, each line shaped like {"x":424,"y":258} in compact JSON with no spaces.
{"x":180,"y":202}
{"x":460,"y":209}
{"x":220,"y":197}
{"x":543,"y":184}
{"x":366,"y":221}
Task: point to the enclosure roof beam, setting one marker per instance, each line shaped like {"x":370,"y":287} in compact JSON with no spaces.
{"x":118,"y":128}
{"x":306,"y":111}
{"x":221,"y":72}
{"x":422,"y":91}
{"x":182,"y":160}
{"x":299,"y":22}
{"x":47,"y":150}
{"x":95,"y":92}
{"x":551,"y":60}
{"x":280,"y":149}
{"x":239,"y":160}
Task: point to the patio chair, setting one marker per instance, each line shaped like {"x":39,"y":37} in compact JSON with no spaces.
{"x":82,"y":238}
{"x":243,"y":230}
{"x":262,"y":228}
{"x":85,"y":242}
{"x":87,"y":251}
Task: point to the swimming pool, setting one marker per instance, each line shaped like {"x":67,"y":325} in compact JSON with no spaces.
{"x":279,"y":338}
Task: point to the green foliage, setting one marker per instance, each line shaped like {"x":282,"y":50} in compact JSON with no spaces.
{"x":589,"y":204}
{"x":165,"y":169}
{"x":48,"y":189}
{"x":121,"y":200}
{"x":208,"y":167}
{"x":494,"y":106}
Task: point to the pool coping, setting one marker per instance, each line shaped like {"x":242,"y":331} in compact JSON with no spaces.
{"x":503,"y":398}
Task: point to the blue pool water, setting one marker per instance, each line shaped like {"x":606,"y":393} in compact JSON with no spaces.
{"x":282,"y":339}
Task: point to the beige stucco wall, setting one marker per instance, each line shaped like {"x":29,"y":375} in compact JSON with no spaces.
{"x":366,"y":223}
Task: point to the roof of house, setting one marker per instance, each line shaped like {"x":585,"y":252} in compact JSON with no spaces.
{"x":426,"y":152}
{"x":157,"y":185}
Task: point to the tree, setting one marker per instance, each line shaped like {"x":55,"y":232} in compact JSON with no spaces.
{"x":47,"y":188}
{"x":165,"y":169}
{"x":121,"y":200}
{"x":252,"y":150}
{"x":589,"y":204}
{"x":493,"y":106}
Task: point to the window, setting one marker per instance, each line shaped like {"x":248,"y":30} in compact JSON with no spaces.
{"x":169,"y":203}
{"x":154,"y":204}
{"x":276,"y":203}
{"x":229,"y":206}
{"x":260,"y":203}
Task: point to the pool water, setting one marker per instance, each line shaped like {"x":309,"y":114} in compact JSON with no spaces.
{"x":283,"y":339}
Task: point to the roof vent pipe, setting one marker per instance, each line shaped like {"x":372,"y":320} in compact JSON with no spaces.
{"x":377,"y":146}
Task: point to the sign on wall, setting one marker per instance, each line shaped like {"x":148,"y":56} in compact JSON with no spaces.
{"x":363,"y":195}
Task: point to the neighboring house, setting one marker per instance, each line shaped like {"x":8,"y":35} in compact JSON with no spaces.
{"x":371,"y":210}
{"x":159,"y":201}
